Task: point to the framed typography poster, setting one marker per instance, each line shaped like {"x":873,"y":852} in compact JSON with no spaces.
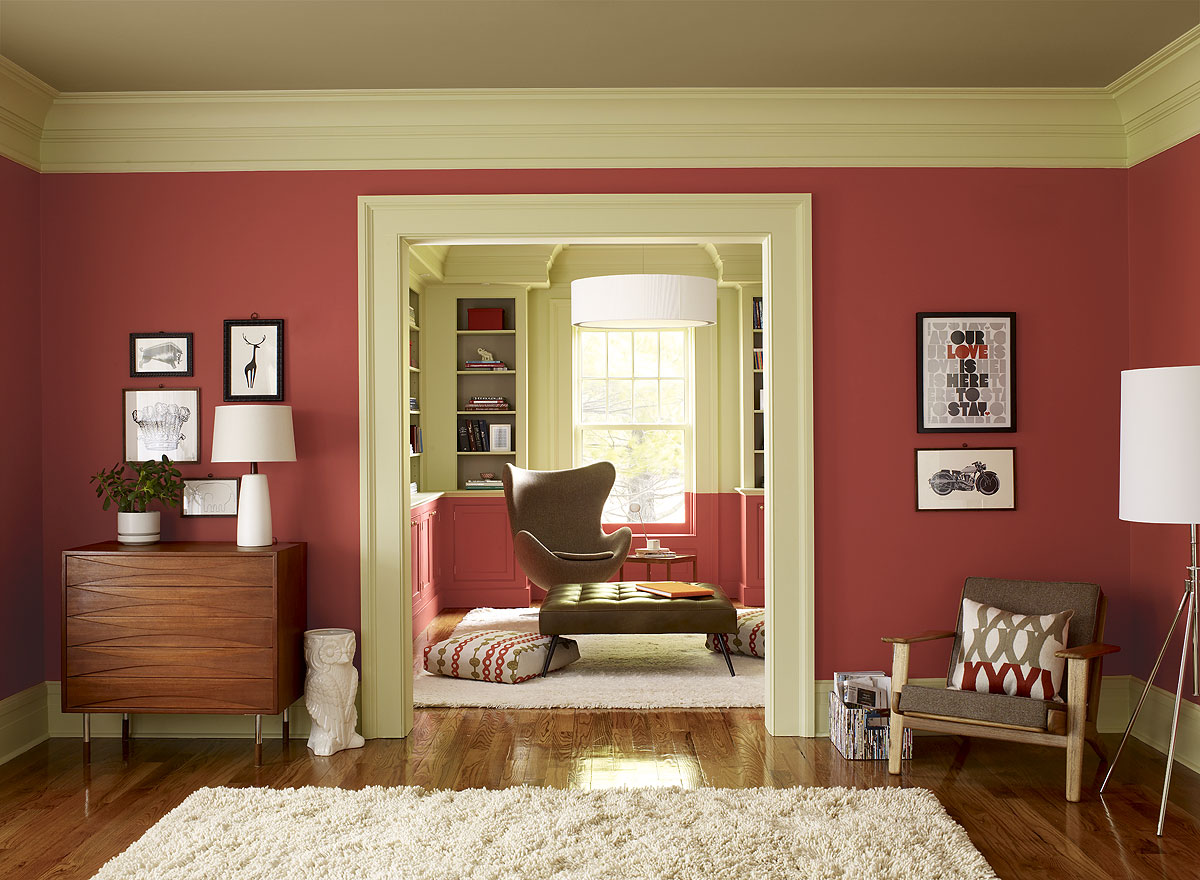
{"x":965,"y":372}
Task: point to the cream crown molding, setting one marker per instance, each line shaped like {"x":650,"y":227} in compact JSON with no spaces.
{"x":1150,"y":109}
{"x":24,"y":102}
{"x":1159,"y":100}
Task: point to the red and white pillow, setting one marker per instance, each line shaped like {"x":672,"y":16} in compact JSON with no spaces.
{"x":502,"y":656}
{"x":750,"y":638}
{"x":1008,"y":653}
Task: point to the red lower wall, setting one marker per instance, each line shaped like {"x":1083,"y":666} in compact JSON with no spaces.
{"x":1164,"y":331}
{"x":126,"y":252}
{"x":21,"y":437}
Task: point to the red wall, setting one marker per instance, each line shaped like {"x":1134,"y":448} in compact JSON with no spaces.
{"x":21,"y":435}
{"x":1164,"y":323}
{"x":184,"y":251}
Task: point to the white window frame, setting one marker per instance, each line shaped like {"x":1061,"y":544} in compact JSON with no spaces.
{"x":688,"y":427}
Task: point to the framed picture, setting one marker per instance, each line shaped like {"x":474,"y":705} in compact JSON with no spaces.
{"x":965,"y":372}
{"x":214,"y":496}
{"x":161,"y":421}
{"x":160,"y":354}
{"x":500,"y":438}
{"x":254,"y":360}
{"x":966,"y":479}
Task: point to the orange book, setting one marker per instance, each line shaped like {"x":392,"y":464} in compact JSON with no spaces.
{"x":676,"y":590}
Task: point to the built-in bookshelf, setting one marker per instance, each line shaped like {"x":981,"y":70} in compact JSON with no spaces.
{"x":416,"y":434}
{"x":754,"y":438}
{"x":488,"y":365}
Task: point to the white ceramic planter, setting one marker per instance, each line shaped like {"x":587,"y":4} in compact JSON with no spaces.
{"x":138,"y":528}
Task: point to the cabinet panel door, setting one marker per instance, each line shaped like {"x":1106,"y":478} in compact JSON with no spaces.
{"x":483,"y":548}
{"x":417,"y":547}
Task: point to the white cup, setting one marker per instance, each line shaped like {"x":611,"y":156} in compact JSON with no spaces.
{"x":653,"y":544}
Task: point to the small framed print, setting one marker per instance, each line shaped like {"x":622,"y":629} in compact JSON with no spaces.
{"x":214,"y":496}
{"x":161,"y":421}
{"x":254,"y":360}
{"x":500,"y":438}
{"x":160,"y":354}
{"x":965,"y":372}
{"x":966,"y":479}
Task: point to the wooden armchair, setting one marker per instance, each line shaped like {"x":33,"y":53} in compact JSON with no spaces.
{"x":1000,"y":716}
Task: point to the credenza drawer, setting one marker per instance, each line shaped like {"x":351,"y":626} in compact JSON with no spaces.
{"x":179,"y":570}
{"x":170,"y":601}
{"x":172,"y":662}
{"x":119,"y":693}
{"x":183,"y":632}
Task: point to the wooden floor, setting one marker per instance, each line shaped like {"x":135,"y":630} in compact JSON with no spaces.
{"x":63,"y":819}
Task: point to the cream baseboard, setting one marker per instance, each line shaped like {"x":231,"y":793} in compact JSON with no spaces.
{"x":34,"y":715}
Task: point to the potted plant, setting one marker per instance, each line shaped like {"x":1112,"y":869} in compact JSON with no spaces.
{"x":149,"y":481}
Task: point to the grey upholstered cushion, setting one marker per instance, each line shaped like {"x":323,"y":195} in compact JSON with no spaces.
{"x":1033,"y":597}
{"x":998,"y":708}
{"x":623,"y":608}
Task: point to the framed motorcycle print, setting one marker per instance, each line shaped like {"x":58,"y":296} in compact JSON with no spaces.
{"x":965,"y":372}
{"x":966,"y":479}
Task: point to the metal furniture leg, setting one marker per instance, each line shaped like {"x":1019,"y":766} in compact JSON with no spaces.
{"x":87,"y":738}
{"x":1187,"y":626}
{"x":723,"y":641}
{"x":549,"y":655}
{"x":124,"y":725}
{"x":257,"y":740}
{"x":287,"y":728}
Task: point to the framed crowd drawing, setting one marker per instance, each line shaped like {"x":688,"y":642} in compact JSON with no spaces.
{"x":965,"y":372}
{"x":966,"y":479}
{"x":161,"y":421}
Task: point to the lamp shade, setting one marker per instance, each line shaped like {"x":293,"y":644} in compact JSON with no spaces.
{"x":643,"y":301}
{"x":1160,"y":445}
{"x":250,"y":432}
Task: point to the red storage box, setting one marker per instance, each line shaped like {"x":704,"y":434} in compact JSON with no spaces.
{"x":485,"y":319}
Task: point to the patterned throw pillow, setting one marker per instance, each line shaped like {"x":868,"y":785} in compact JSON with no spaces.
{"x":751,"y":637}
{"x":1008,"y":653}
{"x":497,"y":655}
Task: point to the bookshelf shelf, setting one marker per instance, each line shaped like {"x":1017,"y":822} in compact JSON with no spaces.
{"x":415,"y":454}
{"x":414,"y":369}
{"x":487,"y":372}
{"x":510,"y":452}
{"x":487,"y":412}
{"x":414,"y":412}
{"x":487,"y":332}
{"x":414,"y":328}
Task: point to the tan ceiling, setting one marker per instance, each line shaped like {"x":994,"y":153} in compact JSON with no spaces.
{"x":163,"y":45}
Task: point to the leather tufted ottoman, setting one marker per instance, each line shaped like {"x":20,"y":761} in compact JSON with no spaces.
{"x":591,"y":609}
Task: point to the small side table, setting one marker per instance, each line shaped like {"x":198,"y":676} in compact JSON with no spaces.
{"x":668,"y":561}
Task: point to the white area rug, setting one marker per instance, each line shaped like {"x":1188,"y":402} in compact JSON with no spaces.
{"x":613,"y":671}
{"x":549,"y":834}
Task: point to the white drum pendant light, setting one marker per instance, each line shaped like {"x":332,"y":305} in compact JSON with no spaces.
{"x":624,"y":302}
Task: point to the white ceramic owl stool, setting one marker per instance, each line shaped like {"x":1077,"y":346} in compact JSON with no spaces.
{"x":329,"y":689}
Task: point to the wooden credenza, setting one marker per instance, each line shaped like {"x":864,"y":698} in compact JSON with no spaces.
{"x":174,"y":627}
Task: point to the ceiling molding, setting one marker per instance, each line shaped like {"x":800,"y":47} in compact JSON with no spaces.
{"x":588,"y":128}
{"x":1159,"y":100}
{"x":24,"y":102}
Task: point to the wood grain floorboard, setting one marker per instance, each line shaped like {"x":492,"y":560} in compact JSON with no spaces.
{"x":62,"y":819}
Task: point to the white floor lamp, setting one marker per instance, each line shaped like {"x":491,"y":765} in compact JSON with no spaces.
{"x":253,"y":433}
{"x":1160,"y":483}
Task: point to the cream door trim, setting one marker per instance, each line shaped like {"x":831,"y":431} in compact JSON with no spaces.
{"x":781,"y":222}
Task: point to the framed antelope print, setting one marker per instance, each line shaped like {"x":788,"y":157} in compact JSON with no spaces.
{"x":160,"y":354}
{"x":254,"y":360}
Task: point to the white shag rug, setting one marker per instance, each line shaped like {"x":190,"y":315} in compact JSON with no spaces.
{"x":673,"y":671}
{"x":549,"y":834}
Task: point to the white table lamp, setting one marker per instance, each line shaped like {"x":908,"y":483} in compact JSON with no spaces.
{"x":1160,"y":483}
{"x":253,"y":433}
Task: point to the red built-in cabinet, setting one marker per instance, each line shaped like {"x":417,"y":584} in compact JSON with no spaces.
{"x":754,"y":561}
{"x":425,"y":564}
{"x":481,"y":568}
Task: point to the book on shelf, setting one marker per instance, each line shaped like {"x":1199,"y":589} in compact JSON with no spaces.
{"x":660,"y":553}
{"x":758,"y":314}
{"x":473,"y":436}
{"x":485,"y":366}
{"x":483,"y":484}
{"x":412,"y":404}
{"x":416,"y":440}
{"x":758,"y":358}
{"x":676,"y":590}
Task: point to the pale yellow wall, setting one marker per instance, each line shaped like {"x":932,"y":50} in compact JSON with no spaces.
{"x":548,"y":403}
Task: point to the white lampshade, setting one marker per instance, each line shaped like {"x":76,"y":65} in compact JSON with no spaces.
{"x":253,"y":433}
{"x":643,"y":301}
{"x":1160,"y":445}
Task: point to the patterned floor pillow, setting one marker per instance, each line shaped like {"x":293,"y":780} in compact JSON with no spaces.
{"x":751,"y":637}
{"x":502,"y":656}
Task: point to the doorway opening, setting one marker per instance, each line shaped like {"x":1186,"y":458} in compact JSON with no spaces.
{"x":391,"y":226}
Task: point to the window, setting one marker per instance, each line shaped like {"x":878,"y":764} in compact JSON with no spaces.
{"x":633,"y":408}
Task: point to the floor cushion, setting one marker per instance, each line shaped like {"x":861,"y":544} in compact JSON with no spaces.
{"x":502,"y":656}
{"x":750,"y":638}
